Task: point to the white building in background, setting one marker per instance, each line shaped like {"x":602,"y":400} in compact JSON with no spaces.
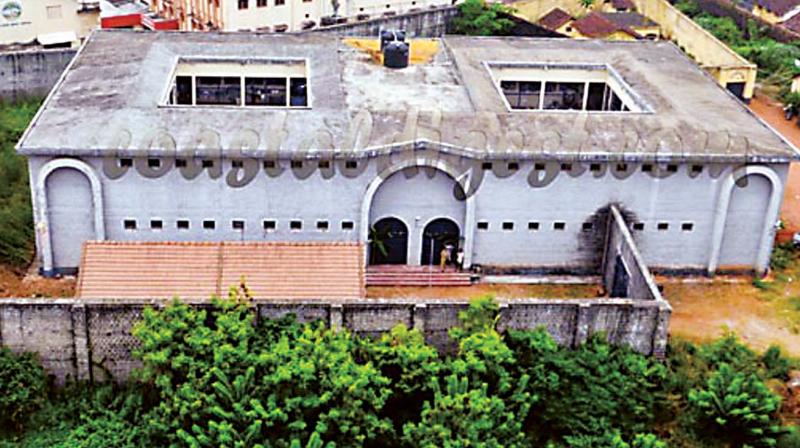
{"x":277,"y":15}
{"x":50,"y":23}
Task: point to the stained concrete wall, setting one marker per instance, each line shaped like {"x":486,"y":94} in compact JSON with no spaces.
{"x":572,"y":198}
{"x":430,"y":22}
{"x":91,"y":340}
{"x":31,"y":73}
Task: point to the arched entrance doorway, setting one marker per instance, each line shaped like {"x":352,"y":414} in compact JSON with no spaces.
{"x":388,"y":242}
{"x":439,"y":233}
{"x":70,"y":213}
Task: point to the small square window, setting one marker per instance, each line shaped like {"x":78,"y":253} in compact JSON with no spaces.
{"x":483,"y":225}
{"x":324,"y":164}
{"x":269,"y":164}
{"x":559,"y":225}
{"x":508,"y":226}
{"x":208,"y":163}
{"x":237,"y":163}
{"x":533,"y":225}
{"x":538,"y":166}
{"x":697,"y":169}
{"x":622,"y":167}
{"x":237,"y":224}
{"x":351,"y":164}
{"x":566,"y":167}
{"x":672,"y":168}
{"x":129,"y":224}
{"x":270,"y":224}
{"x":182,"y":224}
{"x":154,"y":163}
{"x":486,"y":165}
{"x":297,"y":164}
{"x":687,"y":226}
{"x":296,"y":225}
{"x":156,"y":224}
{"x":587,"y":226}
{"x":126,"y":163}
{"x":647,"y":168}
{"x":513,"y":166}
{"x":638,"y":226}
{"x":209,"y":224}
{"x":322,"y":226}
{"x":242,"y":4}
{"x":594,"y":167}
{"x":348,"y":225}
{"x":663,"y":226}
{"x":180,"y":163}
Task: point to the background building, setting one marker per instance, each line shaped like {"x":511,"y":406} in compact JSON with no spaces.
{"x":51,"y":23}
{"x":276,"y":15}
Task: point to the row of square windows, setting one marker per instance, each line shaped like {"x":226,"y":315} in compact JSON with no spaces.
{"x":352,"y":164}
{"x":586,"y":226}
{"x":236,"y":224}
{"x":323,"y":225}
{"x":209,"y":163}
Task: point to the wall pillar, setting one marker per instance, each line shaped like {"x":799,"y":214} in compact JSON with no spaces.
{"x":80,"y":339}
{"x":661,"y":333}
{"x":336,"y":317}
{"x":582,"y":324}
{"x":420,"y":317}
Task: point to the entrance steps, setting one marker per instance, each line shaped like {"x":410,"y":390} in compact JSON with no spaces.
{"x":403,"y":275}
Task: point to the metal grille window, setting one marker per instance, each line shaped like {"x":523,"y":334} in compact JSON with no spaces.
{"x":522,"y":94}
{"x":218,"y":90}
{"x":265,"y":92}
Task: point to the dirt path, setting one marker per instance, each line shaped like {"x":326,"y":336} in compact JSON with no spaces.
{"x":772,"y":113}
{"x":12,"y":284}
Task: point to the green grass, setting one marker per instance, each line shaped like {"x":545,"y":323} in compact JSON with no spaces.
{"x":16,"y":218}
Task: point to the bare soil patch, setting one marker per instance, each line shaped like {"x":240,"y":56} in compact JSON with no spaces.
{"x":500,"y":291}
{"x":14,"y":284}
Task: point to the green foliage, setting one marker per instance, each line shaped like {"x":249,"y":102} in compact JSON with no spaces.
{"x":737,"y":407}
{"x":477,"y":18}
{"x":23,"y":387}
{"x":465,"y":414}
{"x":212,"y":376}
{"x":783,"y":254}
{"x":16,"y":217}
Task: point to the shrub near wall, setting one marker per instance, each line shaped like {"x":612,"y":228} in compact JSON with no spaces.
{"x":212,"y":377}
{"x":16,"y":217}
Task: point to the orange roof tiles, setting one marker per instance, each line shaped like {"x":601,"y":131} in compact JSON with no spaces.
{"x":197,"y":270}
{"x":555,"y":19}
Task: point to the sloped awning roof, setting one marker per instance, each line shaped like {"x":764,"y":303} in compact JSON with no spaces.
{"x":198,"y":270}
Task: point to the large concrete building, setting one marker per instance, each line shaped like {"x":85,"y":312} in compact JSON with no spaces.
{"x":277,"y":15}
{"x":511,"y":148}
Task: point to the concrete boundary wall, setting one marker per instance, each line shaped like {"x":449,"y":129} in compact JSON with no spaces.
{"x":31,"y":73}
{"x":91,"y":339}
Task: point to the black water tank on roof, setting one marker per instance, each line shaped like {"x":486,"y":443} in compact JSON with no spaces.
{"x":395,"y":55}
{"x":391,"y":35}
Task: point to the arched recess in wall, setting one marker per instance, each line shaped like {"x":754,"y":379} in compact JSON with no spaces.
{"x":747,"y":208}
{"x":61,"y":201}
{"x":442,"y":169}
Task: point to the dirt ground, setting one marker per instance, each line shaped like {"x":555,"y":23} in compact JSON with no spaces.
{"x":500,"y":291}
{"x":14,"y":284}
{"x":772,"y":112}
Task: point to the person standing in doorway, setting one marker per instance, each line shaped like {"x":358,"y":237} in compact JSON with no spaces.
{"x":460,"y":259}
{"x":443,"y":258}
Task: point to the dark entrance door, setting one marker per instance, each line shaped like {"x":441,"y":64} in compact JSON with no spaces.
{"x":619,"y":287}
{"x":736,"y":88}
{"x":438,"y":234}
{"x":388,"y":242}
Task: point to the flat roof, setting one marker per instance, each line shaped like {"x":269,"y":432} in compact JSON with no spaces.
{"x":111,"y":98}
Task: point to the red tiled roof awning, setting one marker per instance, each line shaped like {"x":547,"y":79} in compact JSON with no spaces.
{"x":555,"y":19}
{"x":198,"y":270}
{"x":595,"y":25}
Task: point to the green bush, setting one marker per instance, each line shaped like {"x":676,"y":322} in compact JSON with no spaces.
{"x":477,"y":18}
{"x":737,"y":407}
{"x":23,"y":387}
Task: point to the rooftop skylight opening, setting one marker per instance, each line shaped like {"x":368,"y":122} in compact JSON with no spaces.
{"x":564,"y":87}
{"x":277,"y":83}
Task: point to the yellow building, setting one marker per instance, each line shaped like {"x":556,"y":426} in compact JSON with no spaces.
{"x":277,"y":15}
{"x":775,"y":11}
{"x":51,"y":23}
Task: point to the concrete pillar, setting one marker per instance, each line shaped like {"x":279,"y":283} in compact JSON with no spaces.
{"x":420,"y":317}
{"x":336,"y":317}
{"x":80,"y":339}
{"x":582,"y":324}
{"x":661,"y":333}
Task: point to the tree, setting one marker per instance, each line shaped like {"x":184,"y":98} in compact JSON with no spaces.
{"x":738,"y":408}
{"x":23,"y":387}
{"x":476,"y":18}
